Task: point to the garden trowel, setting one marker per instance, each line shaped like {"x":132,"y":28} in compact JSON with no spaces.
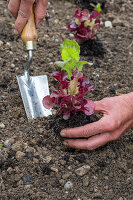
{"x":33,"y":88}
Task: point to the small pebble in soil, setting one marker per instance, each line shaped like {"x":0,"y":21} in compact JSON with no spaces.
{"x":12,"y":65}
{"x":1,"y":98}
{"x":53,"y":11}
{"x":18,"y":146}
{"x":113,"y":90}
{"x":108,"y":24}
{"x":2,"y":125}
{"x":19,"y":155}
{"x":71,"y":35}
{"x":11,"y":53}
{"x":56,"y":40}
{"x":68,"y":186}
{"x":54,"y":169}
{"x":82,"y":170}
{"x":86,"y":181}
{"x":10,"y":170}
{"x":62,"y":182}
{"x":1,"y":43}
{"x":56,"y":21}
{"x":28,"y":178}
{"x":97,"y":195}
{"x":47,"y":159}
{"x":30,"y":149}
{"x":7,"y":144}
{"x":64,"y":28}
{"x":27,"y":186}
{"x":12,"y":89}
{"x":8,"y":44}
{"x":106,"y":187}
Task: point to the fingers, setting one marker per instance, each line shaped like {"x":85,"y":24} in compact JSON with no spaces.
{"x":40,"y":10}
{"x":21,"y":10}
{"x":91,"y":143}
{"x":105,"y":124}
{"x":23,"y":14}
{"x":100,"y":106}
{"x":13,"y":7}
{"x":87,"y":130}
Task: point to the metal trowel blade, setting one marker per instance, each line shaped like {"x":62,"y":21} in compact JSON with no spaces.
{"x":33,"y":94}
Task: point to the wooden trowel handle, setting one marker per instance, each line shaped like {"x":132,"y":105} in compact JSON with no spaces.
{"x":29,"y":32}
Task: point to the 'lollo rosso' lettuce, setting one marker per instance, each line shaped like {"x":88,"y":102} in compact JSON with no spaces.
{"x":70,"y":98}
{"x":85,"y":24}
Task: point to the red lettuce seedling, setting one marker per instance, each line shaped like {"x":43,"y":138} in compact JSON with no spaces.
{"x":70,"y":96}
{"x":85,"y":24}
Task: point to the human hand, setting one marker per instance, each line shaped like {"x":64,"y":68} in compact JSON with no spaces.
{"x":117,"y":118}
{"x":21,"y":10}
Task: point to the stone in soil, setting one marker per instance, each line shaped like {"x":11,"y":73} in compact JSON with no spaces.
{"x":19,"y":155}
{"x":82,"y":170}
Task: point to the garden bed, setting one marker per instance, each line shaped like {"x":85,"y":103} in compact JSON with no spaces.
{"x":37,"y":165}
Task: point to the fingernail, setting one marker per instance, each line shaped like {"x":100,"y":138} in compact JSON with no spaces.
{"x":16,"y":32}
{"x":65,"y":143}
{"x":63,"y":134}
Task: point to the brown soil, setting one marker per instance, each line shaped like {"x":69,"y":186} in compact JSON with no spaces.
{"x":37,"y":165}
{"x":90,"y":4}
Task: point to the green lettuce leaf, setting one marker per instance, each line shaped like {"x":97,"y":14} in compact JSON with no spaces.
{"x":70,"y":49}
{"x":69,"y":66}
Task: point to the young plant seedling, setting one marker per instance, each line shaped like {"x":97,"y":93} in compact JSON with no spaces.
{"x":85,"y":25}
{"x":70,"y":52}
{"x":96,"y":7}
{"x":70,"y":98}
{"x":72,"y":85}
{"x":10,"y":23}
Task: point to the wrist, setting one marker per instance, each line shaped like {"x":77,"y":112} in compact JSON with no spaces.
{"x":129,"y":104}
{"x":129,"y":98}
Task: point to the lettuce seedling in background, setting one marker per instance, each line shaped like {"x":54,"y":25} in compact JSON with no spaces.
{"x":85,"y":24}
{"x":70,"y":53}
{"x":70,"y":97}
{"x":98,"y":7}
